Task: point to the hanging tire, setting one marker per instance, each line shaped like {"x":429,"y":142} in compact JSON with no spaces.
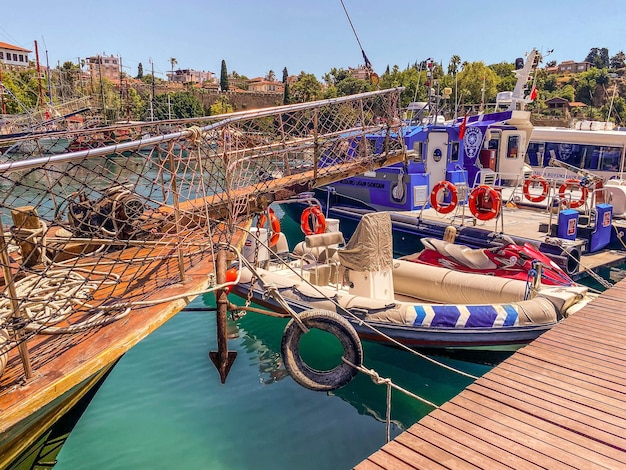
{"x":308,"y":377}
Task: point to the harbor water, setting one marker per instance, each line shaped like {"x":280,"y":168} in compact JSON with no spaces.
{"x":164,"y":407}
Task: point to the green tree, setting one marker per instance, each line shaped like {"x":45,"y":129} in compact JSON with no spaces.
{"x":599,"y":57}
{"x":589,"y":83}
{"x":306,"y":88}
{"x":506,"y":76}
{"x":618,"y":61}
{"x":173,"y":62}
{"x":139,"y":71}
{"x":285,"y":75}
{"x":471,"y":80}
{"x":568,"y":93}
{"x":221,"y":106}
{"x":335,"y":76}
{"x":351,"y":85}
{"x":224,"y":77}
{"x":453,"y":66}
{"x":179,"y":105}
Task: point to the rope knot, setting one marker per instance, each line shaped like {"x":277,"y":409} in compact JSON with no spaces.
{"x":195,"y":134}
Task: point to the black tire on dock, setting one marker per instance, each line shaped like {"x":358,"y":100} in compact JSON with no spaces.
{"x":338,"y":326}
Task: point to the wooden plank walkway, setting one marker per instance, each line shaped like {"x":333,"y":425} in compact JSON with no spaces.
{"x":559,"y":402}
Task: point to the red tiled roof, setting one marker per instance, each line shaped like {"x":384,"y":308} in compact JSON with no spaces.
{"x":4,"y":45}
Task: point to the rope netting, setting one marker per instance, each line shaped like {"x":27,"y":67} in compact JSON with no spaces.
{"x":98,"y":222}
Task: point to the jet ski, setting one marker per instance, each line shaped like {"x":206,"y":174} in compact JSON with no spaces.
{"x":509,"y":260}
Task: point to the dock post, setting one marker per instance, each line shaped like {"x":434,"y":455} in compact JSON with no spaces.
{"x":222,"y":358}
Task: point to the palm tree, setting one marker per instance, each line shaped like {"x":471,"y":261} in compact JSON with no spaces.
{"x":173,"y":61}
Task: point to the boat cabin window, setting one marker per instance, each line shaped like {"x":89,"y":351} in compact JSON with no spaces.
{"x":454,"y":152}
{"x":492,"y":140}
{"x":512,"y":149}
{"x":418,"y":149}
{"x":588,"y":157}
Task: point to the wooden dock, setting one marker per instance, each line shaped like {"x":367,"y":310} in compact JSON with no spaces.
{"x":559,"y":402}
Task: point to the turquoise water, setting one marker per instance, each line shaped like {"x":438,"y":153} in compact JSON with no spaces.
{"x":164,"y":407}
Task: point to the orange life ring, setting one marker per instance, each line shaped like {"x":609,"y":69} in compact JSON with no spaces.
{"x":574,"y":184}
{"x":485,"y":202}
{"x":446,"y":185}
{"x":545,"y":188}
{"x":274,"y":224}
{"x":318,"y":225}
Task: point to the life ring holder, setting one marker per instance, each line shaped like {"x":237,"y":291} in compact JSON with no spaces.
{"x":445,"y":185}
{"x":574,"y":184}
{"x":488,"y":194}
{"x":545,"y":188}
{"x":338,"y":326}
{"x":274,"y":225}
{"x":319,"y":223}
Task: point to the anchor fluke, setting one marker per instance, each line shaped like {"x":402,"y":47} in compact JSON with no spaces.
{"x":222,"y":358}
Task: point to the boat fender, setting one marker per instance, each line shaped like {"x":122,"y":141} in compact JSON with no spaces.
{"x":274,"y":224}
{"x":317,"y":225}
{"x":484,"y":202}
{"x":573,"y":184}
{"x":451,"y":188}
{"x":536,"y":179}
{"x":338,"y":326}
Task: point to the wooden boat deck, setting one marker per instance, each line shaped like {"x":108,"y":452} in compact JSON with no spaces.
{"x":60,"y":362}
{"x":556,"y":403}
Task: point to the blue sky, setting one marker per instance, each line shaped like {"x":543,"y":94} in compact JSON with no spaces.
{"x":254,"y":37}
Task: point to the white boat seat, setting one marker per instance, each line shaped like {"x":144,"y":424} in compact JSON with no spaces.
{"x":472,"y":257}
{"x":323,"y":247}
{"x":324,"y":239}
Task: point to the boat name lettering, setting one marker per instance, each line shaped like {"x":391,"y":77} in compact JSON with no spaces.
{"x":368,"y":184}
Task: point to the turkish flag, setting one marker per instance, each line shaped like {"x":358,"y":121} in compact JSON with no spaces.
{"x":533,"y":94}
{"x":462,"y":127}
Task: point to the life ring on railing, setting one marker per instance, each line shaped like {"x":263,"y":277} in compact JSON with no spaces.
{"x":338,"y":326}
{"x":484,"y":202}
{"x":434,"y":202}
{"x":274,"y":224}
{"x":545,"y":188}
{"x":574,"y":184}
{"x":318,"y":225}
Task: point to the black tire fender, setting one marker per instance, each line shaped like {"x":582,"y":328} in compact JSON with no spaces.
{"x":338,"y":326}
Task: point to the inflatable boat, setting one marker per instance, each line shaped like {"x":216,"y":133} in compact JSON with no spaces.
{"x":398,"y":301}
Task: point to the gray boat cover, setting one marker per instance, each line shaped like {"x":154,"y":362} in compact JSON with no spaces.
{"x":371,"y":246}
